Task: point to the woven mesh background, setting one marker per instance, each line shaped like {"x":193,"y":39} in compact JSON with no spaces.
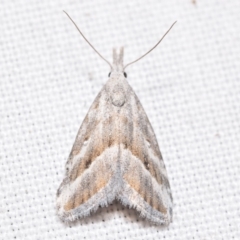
{"x":189,"y":87}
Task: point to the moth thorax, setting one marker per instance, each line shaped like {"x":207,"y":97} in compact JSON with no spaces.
{"x":118,"y":96}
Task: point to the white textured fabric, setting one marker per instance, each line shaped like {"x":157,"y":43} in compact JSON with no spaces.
{"x":189,"y":87}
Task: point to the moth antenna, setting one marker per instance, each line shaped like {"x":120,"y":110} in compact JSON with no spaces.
{"x":152,"y":47}
{"x":87,"y":40}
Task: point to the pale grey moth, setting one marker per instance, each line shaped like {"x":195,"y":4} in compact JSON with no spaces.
{"x":116,"y":156}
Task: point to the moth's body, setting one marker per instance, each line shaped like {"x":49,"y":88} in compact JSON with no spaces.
{"x":115,"y":156}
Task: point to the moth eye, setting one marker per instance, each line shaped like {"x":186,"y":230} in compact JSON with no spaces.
{"x":125,"y":75}
{"x":109,"y":74}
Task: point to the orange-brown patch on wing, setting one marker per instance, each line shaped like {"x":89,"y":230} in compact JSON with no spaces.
{"x":138,"y":152}
{"x":78,"y":199}
{"x":101,"y":182}
{"x":110,"y":133}
{"x":96,"y":150}
{"x":85,"y":192}
{"x":124,"y":131}
{"x":123,"y":119}
{"x":134,"y":181}
{"x":161,"y":208}
{"x":69,"y":205}
{"x":85,"y":196}
{"x":155,"y":202}
{"x":152,"y":200}
{"x":108,"y":137}
{"x":110,"y":140}
{"x":143,"y":185}
{"x":96,"y":105}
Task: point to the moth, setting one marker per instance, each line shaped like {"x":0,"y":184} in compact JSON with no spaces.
{"x":115,"y":155}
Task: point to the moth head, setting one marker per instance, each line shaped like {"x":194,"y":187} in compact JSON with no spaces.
{"x":117,"y":65}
